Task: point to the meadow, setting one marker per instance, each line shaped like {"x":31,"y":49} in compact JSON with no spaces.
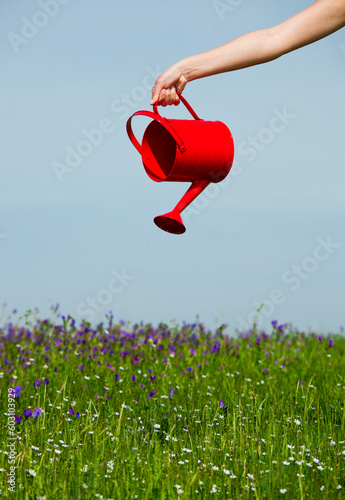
{"x":121,"y":411}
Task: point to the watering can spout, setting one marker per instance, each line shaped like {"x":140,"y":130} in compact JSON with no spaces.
{"x":171,"y":222}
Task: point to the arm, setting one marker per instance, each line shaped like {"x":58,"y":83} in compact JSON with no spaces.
{"x":321,"y":19}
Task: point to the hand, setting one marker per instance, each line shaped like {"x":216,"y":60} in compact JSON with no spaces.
{"x":165,"y":89}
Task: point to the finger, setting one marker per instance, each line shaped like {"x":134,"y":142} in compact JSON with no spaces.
{"x":156,"y":90}
{"x":162,"y":97}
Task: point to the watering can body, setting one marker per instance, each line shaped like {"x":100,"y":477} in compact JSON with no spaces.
{"x":197,"y":151}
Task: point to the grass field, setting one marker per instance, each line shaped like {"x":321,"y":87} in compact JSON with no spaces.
{"x":160,"y":412}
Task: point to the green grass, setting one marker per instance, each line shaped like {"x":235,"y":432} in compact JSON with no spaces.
{"x":281,"y":436}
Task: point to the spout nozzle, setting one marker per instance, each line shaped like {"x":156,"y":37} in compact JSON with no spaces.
{"x":170,"y":222}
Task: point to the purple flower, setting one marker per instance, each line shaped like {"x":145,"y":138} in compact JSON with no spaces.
{"x":37,"y":412}
{"x":216,"y":347}
{"x":37,"y":383}
{"x":70,"y":410}
{"x":152,"y":393}
{"x":17,"y":391}
{"x":117,"y":376}
{"x":153,"y":377}
{"x":258,"y":340}
{"x":221,"y":404}
{"x":330,"y":343}
{"x":46,"y":381}
{"x":107,"y":397}
{"x":142,"y":386}
{"x":301,"y":382}
{"x":27,"y":413}
{"x":17,"y":419}
{"x":265,"y":370}
{"x":165,"y":360}
{"x":77,"y":414}
{"x":134,"y":378}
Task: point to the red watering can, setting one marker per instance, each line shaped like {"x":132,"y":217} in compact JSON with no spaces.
{"x":196,"y":151}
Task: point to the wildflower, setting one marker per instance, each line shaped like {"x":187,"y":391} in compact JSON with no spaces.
{"x":283,"y":491}
{"x":70,"y":410}
{"x":297,"y":422}
{"x":221,"y":404}
{"x":17,"y":419}
{"x":27,"y":413}
{"x":46,"y":381}
{"x":134,"y":378}
{"x":117,"y":376}
{"x":32,"y":472}
{"x":37,"y":412}
{"x":330,"y":344}
{"x":152,"y":393}
{"x":17,"y":391}
{"x":37,"y":383}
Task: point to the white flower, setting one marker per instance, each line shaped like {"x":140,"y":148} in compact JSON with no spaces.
{"x":32,"y":472}
{"x":322,"y":488}
{"x":227,"y":472}
{"x":215,"y":467}
{"x":283,"y":491}
{"x":157,"y":426}
{"x":57,"y":451}
{"x":338,"y":487}
{"x":286,"y":463}
{"x":297,"y":422}
{"x":186,"y":450}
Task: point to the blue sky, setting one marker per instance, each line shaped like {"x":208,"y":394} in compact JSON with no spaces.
{"x":76,"y":228}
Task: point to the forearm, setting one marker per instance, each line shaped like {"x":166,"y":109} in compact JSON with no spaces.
{"x":247,"y":50}
{"x":322,"y":18}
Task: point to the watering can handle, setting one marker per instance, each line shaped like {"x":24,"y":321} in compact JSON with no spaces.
{"x":163,"y":121}
{"x":188,"y":106}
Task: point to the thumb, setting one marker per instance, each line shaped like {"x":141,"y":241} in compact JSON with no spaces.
{"x":156,"y":90}
{"x":155,"y":94}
